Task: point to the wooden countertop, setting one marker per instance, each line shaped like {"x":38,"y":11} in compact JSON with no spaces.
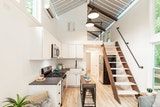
{"x":83,"y":81}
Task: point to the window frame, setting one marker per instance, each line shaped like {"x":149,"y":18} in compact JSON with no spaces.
{"x":36,"y":9}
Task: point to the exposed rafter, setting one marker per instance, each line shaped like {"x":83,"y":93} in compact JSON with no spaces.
{"x":99,"y":9}
{"x":93,"y":34}
{"x":99,"y":27}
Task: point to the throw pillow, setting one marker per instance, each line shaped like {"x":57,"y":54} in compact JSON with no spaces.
{"x":38,"y":99}
{"x":157,"y":100}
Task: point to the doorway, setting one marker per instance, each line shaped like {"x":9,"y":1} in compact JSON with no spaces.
{"x":92,"y":61}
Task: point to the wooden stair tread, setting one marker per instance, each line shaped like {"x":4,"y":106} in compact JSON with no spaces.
{"x":124,"y":83}
{"x":122,"y":75}
{"x":117,"y":62}
{"x":119,"y":68}
{"x":127,"y":92}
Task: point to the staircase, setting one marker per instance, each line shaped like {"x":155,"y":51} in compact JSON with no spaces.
{"x":122,"y":82}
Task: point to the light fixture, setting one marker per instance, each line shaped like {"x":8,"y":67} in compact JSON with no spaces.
{"x":89,"y":23}
{"x":93,"y":14}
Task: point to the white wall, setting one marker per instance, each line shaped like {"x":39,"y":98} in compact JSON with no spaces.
{"x":135,"y":27}
{"x":16,"y":70}
{"x":79,"y":17}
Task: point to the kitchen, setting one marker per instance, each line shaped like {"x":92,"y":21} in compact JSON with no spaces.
{"x":69,"y":65}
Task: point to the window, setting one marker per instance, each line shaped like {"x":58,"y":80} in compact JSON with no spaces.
{"x":157,"y":16}
{"x":157,"y":66}
{"x":34,"y":8}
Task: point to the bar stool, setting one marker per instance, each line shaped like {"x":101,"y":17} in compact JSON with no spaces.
{"x":88,"y":95}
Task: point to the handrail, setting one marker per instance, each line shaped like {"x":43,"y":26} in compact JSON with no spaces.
{"x":126,"y":43}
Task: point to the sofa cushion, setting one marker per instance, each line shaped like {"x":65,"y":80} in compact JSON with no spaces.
{"x":157,"y":101}
{"x":47,"y":103}
{"x":39,"y":98}
{"x":146,"y":101}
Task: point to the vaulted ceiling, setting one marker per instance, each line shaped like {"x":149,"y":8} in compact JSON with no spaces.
{"x":109,"y":10}
{"x":63,"y":6}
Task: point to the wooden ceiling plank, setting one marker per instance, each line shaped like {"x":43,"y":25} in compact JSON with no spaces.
{"x":92,"y":33}
{"x":101,"y":11}
{"x":99,"y":27}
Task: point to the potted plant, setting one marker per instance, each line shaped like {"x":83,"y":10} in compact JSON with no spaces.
{"x":149,"y":91}
{"x":18,"y":102}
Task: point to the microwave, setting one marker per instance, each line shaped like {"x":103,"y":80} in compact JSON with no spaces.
{"x":55,"y":51}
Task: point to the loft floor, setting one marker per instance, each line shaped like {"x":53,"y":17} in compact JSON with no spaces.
{"x":104,"y":98}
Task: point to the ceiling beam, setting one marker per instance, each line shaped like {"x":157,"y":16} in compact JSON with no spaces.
{"x":93,"y":34}
{"x":99,"y":27}
{"x":99,"y":9}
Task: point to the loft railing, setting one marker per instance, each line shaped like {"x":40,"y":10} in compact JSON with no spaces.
{"x":126,"y":43}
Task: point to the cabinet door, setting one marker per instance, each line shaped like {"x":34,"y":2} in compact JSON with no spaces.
{"x":65,"y":51}
{"x":72,"y":51}
{"x":47,"y":41}
{"x":78,"y":79}
{"x":71,"y":80}
{"x":79,"y":51}
{"x":36,"y":40}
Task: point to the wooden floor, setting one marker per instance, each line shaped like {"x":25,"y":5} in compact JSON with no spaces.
{"x":104,"y":98}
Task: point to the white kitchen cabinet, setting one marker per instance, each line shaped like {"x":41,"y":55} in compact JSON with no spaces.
{"x":54,"y":92}
{"x":47,"y":41}
{"x":65,"y":51}
{"x":73,"y":77}
{"x":72,"y":51}
{"x":79,"y":51}
{"x":40,"y":43}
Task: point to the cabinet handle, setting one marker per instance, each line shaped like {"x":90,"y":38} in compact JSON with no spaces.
{"x":59,"y":103}
{"x":59,"y":93}
{"x":59,"y":84}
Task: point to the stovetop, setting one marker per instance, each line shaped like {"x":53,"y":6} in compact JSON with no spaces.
{"x":55,"y":75}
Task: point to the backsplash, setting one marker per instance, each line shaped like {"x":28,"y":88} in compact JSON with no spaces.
{"x":70,"y":63}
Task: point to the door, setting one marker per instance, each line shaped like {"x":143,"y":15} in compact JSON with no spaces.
{"x":95,"y":64}
{"x":101,"y":68}
{"x":88,"y":62}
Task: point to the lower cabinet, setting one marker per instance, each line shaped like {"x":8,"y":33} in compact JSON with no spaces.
{"x":73,"y":78}
{"x":54,"y":92}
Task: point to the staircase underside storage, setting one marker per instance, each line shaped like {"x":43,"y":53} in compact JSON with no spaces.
{"x":120,"y":76}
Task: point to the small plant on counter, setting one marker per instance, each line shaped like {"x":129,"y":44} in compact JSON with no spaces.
{"x":18,"y":102}
{"x":149,"y":90}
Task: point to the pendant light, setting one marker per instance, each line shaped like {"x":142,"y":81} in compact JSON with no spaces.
{"x":93,"y":14}
{"x":89,"y":23}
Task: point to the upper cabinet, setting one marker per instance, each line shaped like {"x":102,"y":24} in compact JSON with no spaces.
{"x":72,"y":51}
{"x":41,"y":41}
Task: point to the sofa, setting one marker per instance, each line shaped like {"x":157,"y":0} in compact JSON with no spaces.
{"x":149,"y":101}
{"x":146,"y":101}
{"x":39,"y":100}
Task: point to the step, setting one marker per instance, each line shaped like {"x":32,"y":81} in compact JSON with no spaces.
{"x":117,"y":62}
{"x":124,"y":83}
{"x":122,"y":75}
{"x":119,"y":68}
{"x":127,"y":92}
